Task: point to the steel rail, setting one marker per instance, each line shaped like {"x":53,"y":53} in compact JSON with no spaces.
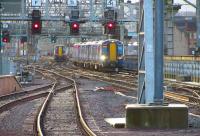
{"x":3,"y":97}
{"x":182,"y":98}
{"x":39,"y":128}
{"x":22,"y":100}
{"x":182,"y":83}
{"x":41,"y":112}
{"x":84,"y":124}
{"x":82,"y":121}
{"x":108,"y":80}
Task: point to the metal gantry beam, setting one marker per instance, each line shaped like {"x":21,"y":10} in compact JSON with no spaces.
{"x":55,"y":11}
{"x":190,"y":3}
{"x":58,"y":10}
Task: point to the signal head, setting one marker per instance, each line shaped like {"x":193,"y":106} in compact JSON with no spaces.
{"x":36,"y":26}
{"x":5,"y":39}
{"x":111,"y":25}
{"x":74,"y":28}
{"x":75,"y":25}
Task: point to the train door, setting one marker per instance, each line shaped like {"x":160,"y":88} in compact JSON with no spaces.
{"x":56,"y":51}
{"x":113,"y":51}
{"x":60,"y":48}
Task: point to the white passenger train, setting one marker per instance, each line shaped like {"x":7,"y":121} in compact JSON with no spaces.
{"x":104,"y":54}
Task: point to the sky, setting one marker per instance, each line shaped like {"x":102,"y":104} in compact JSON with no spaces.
{"x":186,"y":7}
{"x":183,"y":7}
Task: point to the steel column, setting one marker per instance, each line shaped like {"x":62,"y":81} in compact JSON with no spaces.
{"x":47,"y":9}
{"x":149,"y":52}
{"x":23,"y":6}
{"x":121,"y":25}
{"x":198,"y":23}
{"x":141,"y":58}
{"x":91,"y":10}
{"x":159,"y":25}
{"x":1,"y":67}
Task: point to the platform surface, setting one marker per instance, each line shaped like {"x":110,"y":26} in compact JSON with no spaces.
{"x":116,"y":122}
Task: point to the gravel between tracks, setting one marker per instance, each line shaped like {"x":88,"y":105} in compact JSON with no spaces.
{"x":60,"y":118}
{"x":98,"y":105}
{"x":19,"y":120}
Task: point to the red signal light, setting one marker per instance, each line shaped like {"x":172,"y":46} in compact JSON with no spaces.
{"x":36,"y":25}
{"x":110,"y":25}
{"x":5,"y":39}
{"x":75,"y":25}
{"x":74,"y":28}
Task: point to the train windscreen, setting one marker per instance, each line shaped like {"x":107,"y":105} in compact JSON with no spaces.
{"x":120,"y":49}
{"x":104,"y":50}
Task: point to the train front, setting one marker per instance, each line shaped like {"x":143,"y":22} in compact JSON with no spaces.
{"x":112,"y":54}
{"x":59,"y":53}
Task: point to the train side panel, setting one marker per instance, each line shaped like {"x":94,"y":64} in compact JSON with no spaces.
{"x":99,"y":54}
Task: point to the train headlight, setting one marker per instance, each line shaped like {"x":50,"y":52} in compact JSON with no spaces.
{"x":103,"y":57}
{"x":120,"y":57}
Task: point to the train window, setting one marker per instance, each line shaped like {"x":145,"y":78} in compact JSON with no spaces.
{"x":104,"y":50}
{"x":63,"y":49}
{"x":120,"y":49}
{"x":56,"y":50}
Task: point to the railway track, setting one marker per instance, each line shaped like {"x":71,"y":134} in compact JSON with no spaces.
{"x":70,"y":72}
{"x":22,"y":96}
{"x":192,"y":100}
{"x":14,"y":96}
{"x":51,"y":107}
{"x":17,"y":105}
{"x":183,"y":92}
{"x":183,"y":98}
{"x":17,"y":95}
{"x":114,"y":80}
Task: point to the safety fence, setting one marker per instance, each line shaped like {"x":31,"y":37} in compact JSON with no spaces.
{"x":186,"y":68}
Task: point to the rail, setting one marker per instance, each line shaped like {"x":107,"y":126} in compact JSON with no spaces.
{"x":82,"y":121}
{"x":39,"y":128}
{"x":84,"y":124}
{"x":182,"y":98}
